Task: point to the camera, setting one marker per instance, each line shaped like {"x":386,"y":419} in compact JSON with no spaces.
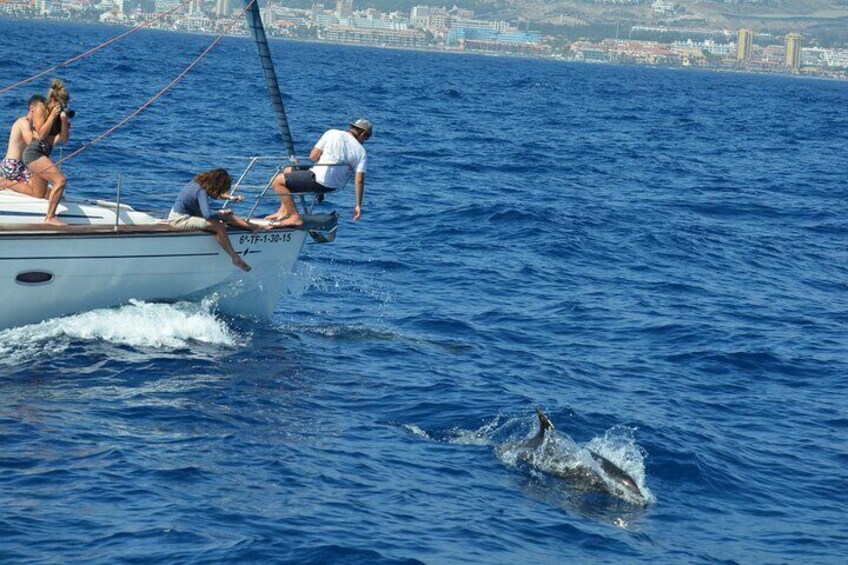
{"x":68,"y":112}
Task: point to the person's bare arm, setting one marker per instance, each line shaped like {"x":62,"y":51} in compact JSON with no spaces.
{"x":231,"y":198}
{"x":25,"y":131}
{"x":43,"y":123}
{"x":65,"y":131}
{"x":360,"y":191}
{"x":315,"y":154}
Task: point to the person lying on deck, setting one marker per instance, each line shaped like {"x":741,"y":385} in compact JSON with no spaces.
{"x":336,"y":155}
{"x":191,"y":210}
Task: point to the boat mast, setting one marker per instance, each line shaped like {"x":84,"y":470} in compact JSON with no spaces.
{"x":254,"y":23}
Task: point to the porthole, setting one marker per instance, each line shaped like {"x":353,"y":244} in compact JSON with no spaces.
{"x":32,"y":278}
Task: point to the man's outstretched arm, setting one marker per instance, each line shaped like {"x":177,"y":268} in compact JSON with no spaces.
{"x":360,"y":191}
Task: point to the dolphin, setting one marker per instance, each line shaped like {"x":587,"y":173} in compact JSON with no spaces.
{"x":589,"y":476}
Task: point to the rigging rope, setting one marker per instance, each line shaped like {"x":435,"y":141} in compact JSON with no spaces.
{"x":159,"y":94}
{"x":155,"y":152}
{"x":93,"y":49}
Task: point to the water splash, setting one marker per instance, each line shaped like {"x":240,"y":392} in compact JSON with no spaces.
{"x":557,"y":455}
{"x":560,"y":456}
{"x":138,"y":324}
{"x":487,"y":434}
{"x":142,"y":324}
{"x":417,"y":431}
{"x":490,"y":433}
{"x":618,"y":444}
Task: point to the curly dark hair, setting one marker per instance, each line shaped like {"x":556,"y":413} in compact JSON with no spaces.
{"x":215,"y":182}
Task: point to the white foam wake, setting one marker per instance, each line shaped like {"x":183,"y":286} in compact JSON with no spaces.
{"x":142,"y":324}
{"x":138,"y":324}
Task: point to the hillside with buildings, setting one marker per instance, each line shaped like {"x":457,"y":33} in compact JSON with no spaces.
{"x":826,"y":17}
{"x":768,"y":36}
{"x":827,"y":20}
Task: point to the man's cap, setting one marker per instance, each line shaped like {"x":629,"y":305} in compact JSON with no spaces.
{"x":363,"y":124}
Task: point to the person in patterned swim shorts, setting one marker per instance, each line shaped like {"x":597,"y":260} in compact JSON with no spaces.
{"x":14,"y":174}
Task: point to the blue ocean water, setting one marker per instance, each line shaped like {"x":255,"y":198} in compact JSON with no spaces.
{"x":656,"y":257}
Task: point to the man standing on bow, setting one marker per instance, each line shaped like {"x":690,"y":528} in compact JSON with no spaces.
{"x":337,"y":155}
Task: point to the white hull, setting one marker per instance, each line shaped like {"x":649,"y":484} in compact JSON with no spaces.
{"x":50,"y":273}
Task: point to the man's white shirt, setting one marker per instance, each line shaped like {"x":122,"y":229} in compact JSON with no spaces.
{"x":339,"y":147}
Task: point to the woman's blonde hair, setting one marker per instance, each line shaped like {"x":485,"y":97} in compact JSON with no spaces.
{"x":58,"y":92}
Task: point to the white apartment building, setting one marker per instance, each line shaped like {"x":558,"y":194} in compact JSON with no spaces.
{"x":835,"y":58}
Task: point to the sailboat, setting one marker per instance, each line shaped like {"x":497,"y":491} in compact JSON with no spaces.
{"x":111,"y":253}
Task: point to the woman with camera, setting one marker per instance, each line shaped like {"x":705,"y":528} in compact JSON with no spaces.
{"x":50,"y":125}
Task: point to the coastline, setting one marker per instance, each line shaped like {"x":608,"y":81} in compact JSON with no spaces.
{"x":446,"y":51}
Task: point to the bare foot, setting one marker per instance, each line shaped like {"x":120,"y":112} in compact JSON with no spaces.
{"x":290,"y":222}
{"x":239,"y":262}
{"x":277,"y":216}
{"x":55,"y":222}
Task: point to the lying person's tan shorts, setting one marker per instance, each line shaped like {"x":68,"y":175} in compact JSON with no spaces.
{"x":186,"y":222}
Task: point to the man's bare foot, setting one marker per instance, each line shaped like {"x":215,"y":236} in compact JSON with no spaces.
{"x":277,"y":216}
{"x":289,"y":222}
{"x":55,"y":222}
{"x":239,"y":262}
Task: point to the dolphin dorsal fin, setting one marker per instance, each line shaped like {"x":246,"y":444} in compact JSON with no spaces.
{"x":545,"y":423}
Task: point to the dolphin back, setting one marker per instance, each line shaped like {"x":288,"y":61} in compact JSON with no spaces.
{"x":617,"y":474}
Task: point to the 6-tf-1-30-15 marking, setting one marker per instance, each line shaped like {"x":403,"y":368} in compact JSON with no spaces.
{"x":264,"y":238}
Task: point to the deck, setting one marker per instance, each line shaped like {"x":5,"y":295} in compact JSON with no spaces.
{"x":319,"y":222}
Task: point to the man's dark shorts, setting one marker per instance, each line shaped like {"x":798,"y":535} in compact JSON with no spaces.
{"x":304,"y":181}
